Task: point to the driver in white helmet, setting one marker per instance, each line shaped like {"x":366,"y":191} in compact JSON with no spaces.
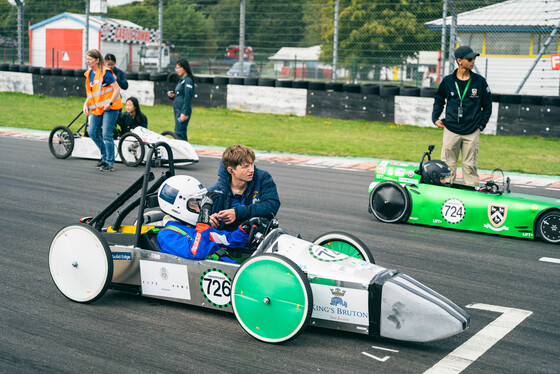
{"x":187,"y":232}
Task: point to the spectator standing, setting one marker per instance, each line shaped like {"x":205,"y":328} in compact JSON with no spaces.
{"x":182,"y":97}
{"x":102,"y":105}
{"x":110,"y":62}
{"x":468,"y":106}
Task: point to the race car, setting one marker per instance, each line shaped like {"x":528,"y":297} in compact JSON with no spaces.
{"x":279,"y":285}
{"x":400,"y":193}
{"x":130,"y":147}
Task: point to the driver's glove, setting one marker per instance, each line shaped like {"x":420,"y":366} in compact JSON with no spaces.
{"x":206,"y":207}
{"x":246,"y":226}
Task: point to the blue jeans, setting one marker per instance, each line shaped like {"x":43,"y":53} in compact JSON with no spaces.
{"x":106,"y":123}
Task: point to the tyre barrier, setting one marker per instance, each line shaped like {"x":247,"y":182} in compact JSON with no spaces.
{"x":284,"y":83}
{"x":143,"y":76}
{"x":267,"y":82}
{"x":351,"y":88}
{"x":236,"y":80}
{"x":428,"y":92}
{"x":24,"y":68}
{"x":300,"y":84}
{"x":158,"y":77}
{"x":131,"y":75}
{"x":251,"y":81}
{"x":4,"y":67}
{"x":370,"y":89}
{"x":389,"y":90}
{"x":333,"y":87}
{"x":13,"y":67}
{"x":220,"y":80}
{"x":34,"y":70}
{"x":409,"y":91}
{"x":316,"y":86}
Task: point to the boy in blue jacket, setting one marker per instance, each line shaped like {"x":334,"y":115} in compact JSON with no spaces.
{"x":187,"y":232}
{"x":244,"y":191}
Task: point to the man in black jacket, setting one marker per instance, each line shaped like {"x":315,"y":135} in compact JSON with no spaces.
{"x":467,"y":111}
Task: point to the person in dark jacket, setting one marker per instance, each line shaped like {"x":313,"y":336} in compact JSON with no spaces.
{"x":133,"y":117}
{"x":468,"y":107}
{"x":110,"y":62}
{"x":182,"y":97}
{"x":244,"y":191}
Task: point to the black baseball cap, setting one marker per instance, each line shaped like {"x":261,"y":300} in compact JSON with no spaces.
{"x":465,"y":52}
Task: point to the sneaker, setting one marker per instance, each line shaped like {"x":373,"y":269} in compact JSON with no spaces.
{"x":107,"y":167}
{"x":100,"y":164}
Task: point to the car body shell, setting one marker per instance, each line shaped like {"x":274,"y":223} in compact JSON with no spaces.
{"x":464,"y":207}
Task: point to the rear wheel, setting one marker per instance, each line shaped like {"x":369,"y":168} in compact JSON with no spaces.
{"x":80,"y":263}
{"x":131,"y":149}
{"x":390,"y":202}
{"x":272,"y":298}
{"x":61,"y":142}
{"x":170,"y":134}
{"x":548,"y":227}
{"x":345,"y":243}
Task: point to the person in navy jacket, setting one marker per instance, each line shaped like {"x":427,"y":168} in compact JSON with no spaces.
{"x":244,"y":190}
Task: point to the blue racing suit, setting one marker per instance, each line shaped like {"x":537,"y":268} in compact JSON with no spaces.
{"x":197,"y":243}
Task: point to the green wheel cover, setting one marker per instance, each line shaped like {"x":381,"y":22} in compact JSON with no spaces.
{"x":272,"y":298}
{"x":343,"y":247}
{"x":345,"y":243}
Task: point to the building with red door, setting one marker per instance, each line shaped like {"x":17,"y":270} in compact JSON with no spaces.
{"x":59,"y":42}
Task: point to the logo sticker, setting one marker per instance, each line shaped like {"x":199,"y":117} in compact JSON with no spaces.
{"x":122,"y":256}
{"x":337,"y":300}
{"x":325,"y":254}
{"x":497,"y":214}
{"x":215,"y":285}
{"x":453,"y":211}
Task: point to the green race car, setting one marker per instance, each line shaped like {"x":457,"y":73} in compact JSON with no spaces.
{"x":405,"y":192}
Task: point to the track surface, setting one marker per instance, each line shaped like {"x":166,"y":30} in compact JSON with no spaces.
{"x":44,"y":332}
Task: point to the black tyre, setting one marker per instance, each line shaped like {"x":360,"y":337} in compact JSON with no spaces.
{"x":61,"y":142}
{"x":345,"y":243}
{"x":170,"y":134}
{"x":271,"y":298}
{"x":131,"y":149}
{"x":390,"y":202}
{"x":548,"y":227}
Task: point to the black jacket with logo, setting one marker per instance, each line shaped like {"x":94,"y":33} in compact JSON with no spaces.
{"x":477,"y":104}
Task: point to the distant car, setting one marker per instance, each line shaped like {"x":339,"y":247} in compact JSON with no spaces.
{"x":399,"y":194}
{"x":249,"y":70}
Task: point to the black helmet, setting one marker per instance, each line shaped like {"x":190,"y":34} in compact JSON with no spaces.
{"x":435,"y":172}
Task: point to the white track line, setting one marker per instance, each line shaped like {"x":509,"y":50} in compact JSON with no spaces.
{"x":384,"y":349}
{"x":376,"y":358}
{"x":472,"y":349}
{"x":550,"y":259}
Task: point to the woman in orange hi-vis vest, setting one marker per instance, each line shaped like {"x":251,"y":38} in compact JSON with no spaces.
{"x":102,"y":105}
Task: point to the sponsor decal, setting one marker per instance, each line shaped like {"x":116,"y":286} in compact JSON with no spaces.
{"x":390,"y":171}
{"x":410,"y":173}
{"x":453,"y":211}
{"x":122,"y":256}
{"x":399,"y":172}
{"x":340,"y":304}
{"x":338,"y":294}
{"x":408,"y":180}
{"x":325,"y":254}
{"x":497,"y":214}
{"x":215,"y":285}
{"x":168,"y":280}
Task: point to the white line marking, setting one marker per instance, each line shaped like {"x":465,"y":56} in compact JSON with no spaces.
{"x":472,"y":349}
{"x":550,"y":259}
{"x":376,"y":358}
{"x":385,"y":349}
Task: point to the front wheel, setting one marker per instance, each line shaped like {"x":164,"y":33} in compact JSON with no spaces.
{"x":80,"y":263}
{"x":272,"y":298}
{"x":61,"y":142}
{"x":345,"y":243}
{"x":131,"y":149}
{"x":548,"y":227}
{"x":390,"y":202}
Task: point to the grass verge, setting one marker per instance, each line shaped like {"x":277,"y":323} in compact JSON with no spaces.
{"x":303,"y":135}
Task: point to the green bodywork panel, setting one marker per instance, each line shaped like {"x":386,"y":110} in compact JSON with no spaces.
{"x":462,"y":207}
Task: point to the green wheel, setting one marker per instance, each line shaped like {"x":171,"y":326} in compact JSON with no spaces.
{"x":272,"y":298}
{"x":345,"y":243}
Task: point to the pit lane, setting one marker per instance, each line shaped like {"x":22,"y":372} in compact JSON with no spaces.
{"x":44,"y":332}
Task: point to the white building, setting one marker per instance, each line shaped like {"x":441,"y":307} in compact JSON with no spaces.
{"x":59,"y":42}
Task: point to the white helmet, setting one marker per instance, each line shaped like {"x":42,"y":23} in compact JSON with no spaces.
{"x":178,"y":196}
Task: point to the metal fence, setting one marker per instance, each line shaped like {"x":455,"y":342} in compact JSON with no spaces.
{"x":391,"y":42}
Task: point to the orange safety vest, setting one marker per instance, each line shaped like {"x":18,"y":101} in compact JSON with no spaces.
{"x":97,"y":96}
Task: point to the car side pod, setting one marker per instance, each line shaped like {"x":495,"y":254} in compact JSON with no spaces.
{"x":354,"y":295}
{"x":408,"y":310}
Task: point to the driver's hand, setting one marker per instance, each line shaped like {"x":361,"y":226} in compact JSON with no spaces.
{"x":439,"y":124}
{"x":228,"y":216}
{"x":214,"y":220}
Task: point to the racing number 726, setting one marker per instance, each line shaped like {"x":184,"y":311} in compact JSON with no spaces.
{"x":218,"y":287}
